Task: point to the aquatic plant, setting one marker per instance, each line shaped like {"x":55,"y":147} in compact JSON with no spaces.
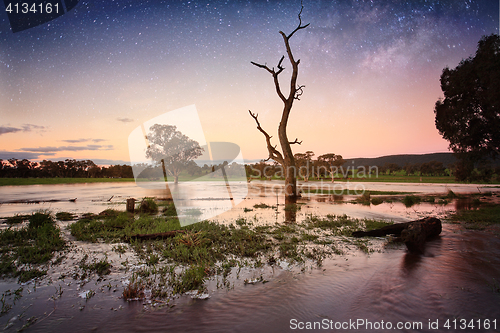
{"x":411,"y":200}
{"x":149,"y":206}
{"x":133,"y":291}
{"x":261,"y":205}
{"x":64,"y":216}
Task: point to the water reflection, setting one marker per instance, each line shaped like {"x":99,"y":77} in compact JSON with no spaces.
{"x":466,"y":204}
{"x":410,"y":263}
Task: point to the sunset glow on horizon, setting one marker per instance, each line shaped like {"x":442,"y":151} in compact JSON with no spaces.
{"x":76,"y":87}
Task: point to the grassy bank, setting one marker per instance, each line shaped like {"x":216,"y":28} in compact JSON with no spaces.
{"x":478,"y":218}
{"x":25,"y":251}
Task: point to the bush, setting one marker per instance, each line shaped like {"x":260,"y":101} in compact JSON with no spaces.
{"x":411,"y":200}
{"x":149,"y":206}
{"x":38,"y":220}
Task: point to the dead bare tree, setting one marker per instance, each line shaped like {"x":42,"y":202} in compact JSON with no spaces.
{"x":285,"y":158}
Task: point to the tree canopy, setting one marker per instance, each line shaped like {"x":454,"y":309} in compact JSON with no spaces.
{"x":170,"y":147}
{"x":469,"y":115}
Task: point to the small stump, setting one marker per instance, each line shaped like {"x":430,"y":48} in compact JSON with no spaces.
{"x":131,"y":205}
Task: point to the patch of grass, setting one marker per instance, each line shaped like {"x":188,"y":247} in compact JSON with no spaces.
{"x":451,"y":195}
{"x":362,"y":244}
{"x":30,"y":246}
{"x":374,"y":224}
{"x":364,"y":199}
{"x":64,"y":216}
{"x":26,"y":275}
{"x":101,"y":267}
{"x":261,"y":205}
{"x":246,"y":210}
{"x":148,"y":206}
{"x":429,"y":199}
{"x":377,"y":201}
{"x":169,"y":210}
{"x":478,"y":218}
{"x":191,"y":278}
{"x":121,"y":249}
{"x":411,"y":200}
{"x":309,"y":237}
{"x":39,"y":219}
{"x":120,"y":227}
{"x":16,"y":219}
{"x":337,"y":225}
{"x":133,"y":291}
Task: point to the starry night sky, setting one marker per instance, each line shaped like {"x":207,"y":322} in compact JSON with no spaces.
{"x":77,"y":86}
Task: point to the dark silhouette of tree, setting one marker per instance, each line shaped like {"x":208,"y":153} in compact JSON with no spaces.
{"x":285,"y":158}
{"x":171,"y":149}
{"x":331,"y":162}
{"x":303,"y":161}
{"x":469,"y":115}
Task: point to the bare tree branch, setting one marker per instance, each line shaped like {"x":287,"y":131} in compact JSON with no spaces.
{"x":295,"y":142}
{"x":299,"y":92}
{"x":300,"y":26}
{"x":273,"y":152}
{"x":275,"y":75}
{"x":264,"y":66}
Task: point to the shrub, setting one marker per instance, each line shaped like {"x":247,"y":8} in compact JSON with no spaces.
{"x":38,"y":220}
{"x":149,"y":206}
{"x":411,"y":200}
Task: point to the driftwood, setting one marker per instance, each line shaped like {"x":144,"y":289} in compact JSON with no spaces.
{"x":158,"y":235}
{"x":414,"y":234}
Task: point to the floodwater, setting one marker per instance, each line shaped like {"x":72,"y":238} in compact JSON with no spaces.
{"x":456,"y":279}
{"x":95,"y":197}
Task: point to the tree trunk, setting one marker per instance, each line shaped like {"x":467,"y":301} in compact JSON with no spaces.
{"x":414,"y":234}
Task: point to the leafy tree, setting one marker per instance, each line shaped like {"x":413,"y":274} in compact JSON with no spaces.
{"x":303,"y":161}
{"x":469,"y":115}
{"x":331,"y":162}
{"x":171,"y":149}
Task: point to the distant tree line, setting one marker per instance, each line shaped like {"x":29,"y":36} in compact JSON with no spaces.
{"x":70,"y":168}
{"x":190,"y":169}
{"x":330,"y":166}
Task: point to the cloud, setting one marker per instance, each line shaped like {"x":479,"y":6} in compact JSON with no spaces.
{"x":76,"y":141}
{"x":125,"y":120}
{"x":31,"y":127}
{"x":50,"y":150}
{"x":24,"y":128}
{"x":7,"y":129}
{"x":5,"y":155}
{"x":83,"y":140}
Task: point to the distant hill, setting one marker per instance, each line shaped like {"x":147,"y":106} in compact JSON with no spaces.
{"x":401,"y":160}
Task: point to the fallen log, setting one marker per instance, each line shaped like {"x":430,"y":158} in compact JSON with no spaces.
{"x":158,"y":235}
{"x":414,"y":234}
